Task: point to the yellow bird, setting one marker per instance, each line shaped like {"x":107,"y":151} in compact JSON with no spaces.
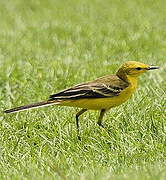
{"x":101,"y":94}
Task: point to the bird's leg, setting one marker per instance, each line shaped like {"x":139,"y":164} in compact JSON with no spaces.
{"x":77,"y":122}
{"x":99,"y":122}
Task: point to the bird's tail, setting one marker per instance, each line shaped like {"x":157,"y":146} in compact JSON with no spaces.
{"x":30,"y":106}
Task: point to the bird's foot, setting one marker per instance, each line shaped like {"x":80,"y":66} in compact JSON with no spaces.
{"x":79,"y":138}
{"x":101,"y":125}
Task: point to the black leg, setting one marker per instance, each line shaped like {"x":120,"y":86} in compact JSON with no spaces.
{"x":77,"y":122}
{"x":99,"y":122}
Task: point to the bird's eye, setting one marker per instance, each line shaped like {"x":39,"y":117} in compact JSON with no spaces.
{"x":138,"y":68}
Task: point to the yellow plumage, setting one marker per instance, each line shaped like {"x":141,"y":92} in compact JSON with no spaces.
{"x":101,"y":94}
{"x":102,"y":103}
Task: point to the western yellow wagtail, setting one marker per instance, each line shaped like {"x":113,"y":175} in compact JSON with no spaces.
{"x":101,"y":94}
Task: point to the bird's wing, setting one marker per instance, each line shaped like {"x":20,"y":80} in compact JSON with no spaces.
{"x":94,"y":89}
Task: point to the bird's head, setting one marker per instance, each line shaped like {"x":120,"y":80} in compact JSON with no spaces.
{"x":134,"y":69}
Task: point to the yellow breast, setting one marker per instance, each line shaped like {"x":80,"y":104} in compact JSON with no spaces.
{"x":101,"y":103}
{"x":104,"y":103}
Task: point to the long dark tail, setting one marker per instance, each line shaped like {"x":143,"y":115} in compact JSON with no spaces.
{"x":30,"y":106}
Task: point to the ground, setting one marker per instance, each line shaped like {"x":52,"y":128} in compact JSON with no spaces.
{"x":46,"y":46}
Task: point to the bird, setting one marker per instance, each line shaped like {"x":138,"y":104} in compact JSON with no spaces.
{"x":100,"y":94}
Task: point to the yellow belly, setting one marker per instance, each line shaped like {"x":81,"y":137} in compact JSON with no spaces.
{"x":101,"y":103}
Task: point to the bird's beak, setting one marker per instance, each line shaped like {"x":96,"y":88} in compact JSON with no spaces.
{"x":152,"y":67}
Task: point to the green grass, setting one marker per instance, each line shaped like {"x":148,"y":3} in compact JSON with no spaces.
{"x":46,"y":46}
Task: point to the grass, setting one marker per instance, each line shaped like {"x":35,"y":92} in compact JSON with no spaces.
{"x":46,"y":46}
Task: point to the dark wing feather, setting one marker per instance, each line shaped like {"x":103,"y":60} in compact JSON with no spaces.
{"x":95,"y":89}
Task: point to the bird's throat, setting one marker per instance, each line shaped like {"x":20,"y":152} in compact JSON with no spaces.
{"x":132,"y":80}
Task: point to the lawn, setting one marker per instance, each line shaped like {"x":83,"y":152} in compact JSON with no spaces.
{"x":46,"y":46}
